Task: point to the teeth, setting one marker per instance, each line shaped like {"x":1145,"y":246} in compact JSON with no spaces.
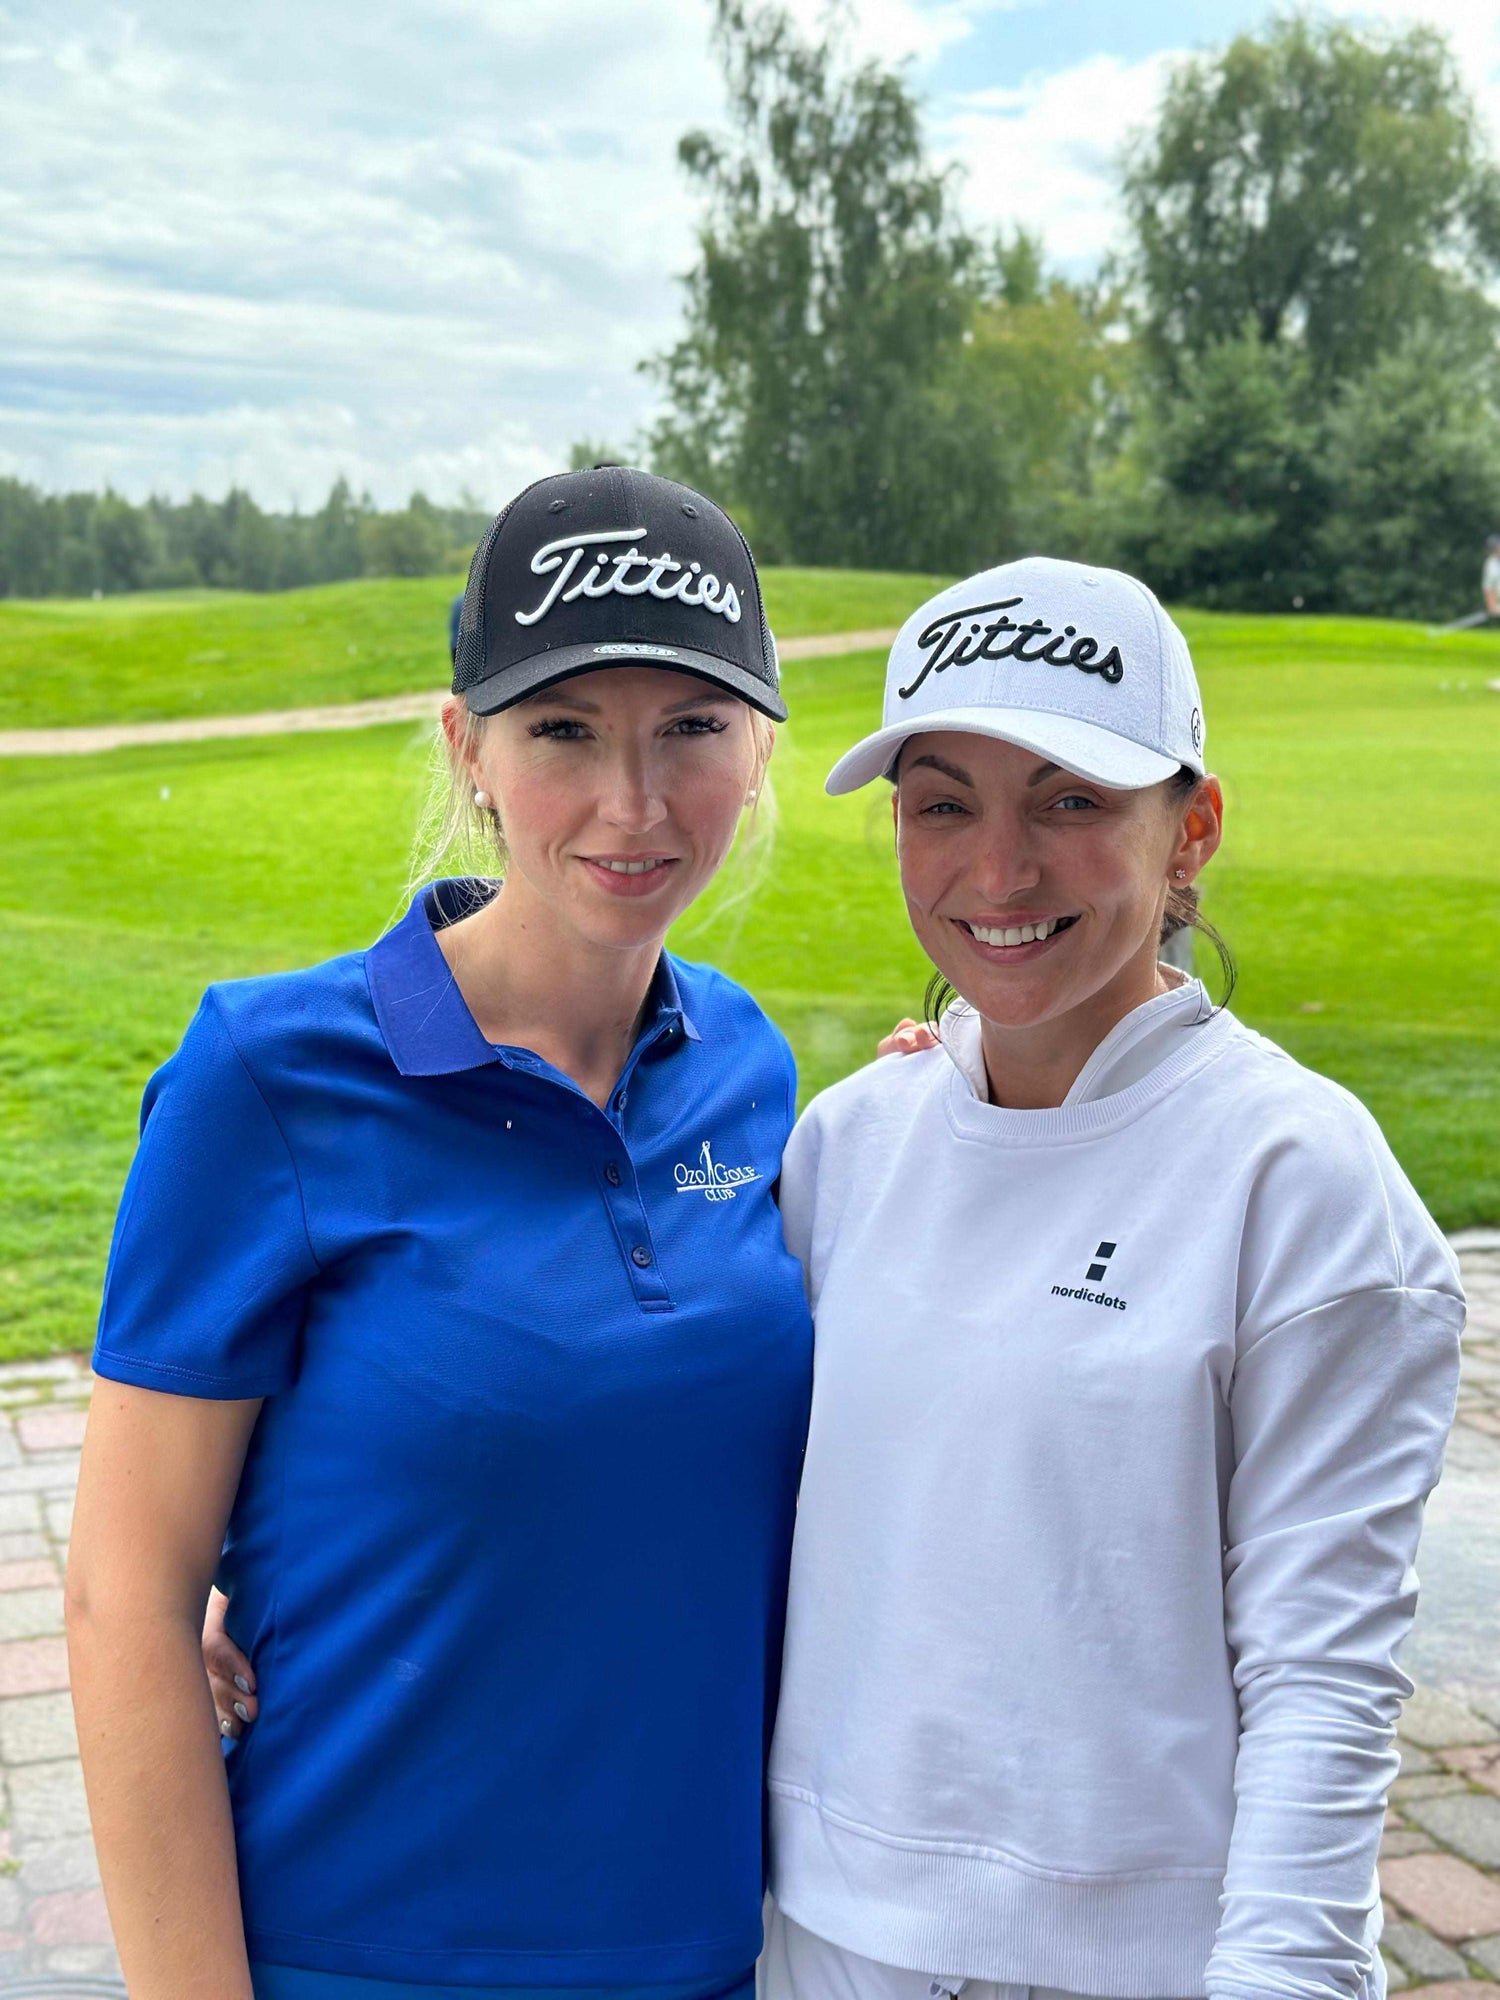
{"x":1016,"y":934}
{"x":630,"y":867}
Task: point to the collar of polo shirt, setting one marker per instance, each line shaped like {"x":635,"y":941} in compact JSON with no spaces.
{"x":423,"y":1016}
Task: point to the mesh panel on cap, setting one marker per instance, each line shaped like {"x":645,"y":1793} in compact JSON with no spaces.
{"x":768,"y":650}
{"x":468,"y":655}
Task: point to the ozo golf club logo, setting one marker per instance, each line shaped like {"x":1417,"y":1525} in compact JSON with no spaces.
{"x":708,"y":1178}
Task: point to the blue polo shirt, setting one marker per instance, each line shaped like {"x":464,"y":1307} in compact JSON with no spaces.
{"x":509,"y":1551}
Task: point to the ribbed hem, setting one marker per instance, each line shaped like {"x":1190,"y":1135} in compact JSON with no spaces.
{"x":979,"y":1916}
{"x":706,"y":1959}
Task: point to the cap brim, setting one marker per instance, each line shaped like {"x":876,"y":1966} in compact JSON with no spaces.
{"x":1081,"y":747}
{"x":528,"y":677}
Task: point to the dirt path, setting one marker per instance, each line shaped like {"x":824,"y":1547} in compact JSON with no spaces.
{"x":298,"y":721}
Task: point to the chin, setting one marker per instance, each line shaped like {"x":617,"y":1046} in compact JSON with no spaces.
{"x":621,"y":927}
{"x":1009,"y":1005}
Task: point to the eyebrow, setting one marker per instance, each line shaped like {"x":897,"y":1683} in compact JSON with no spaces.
{"x":710,"y":697}
{"x":962,"y":777}
{"x":934,"y":763}
{"x":556,"y":697}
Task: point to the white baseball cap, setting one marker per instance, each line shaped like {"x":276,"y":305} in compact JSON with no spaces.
{"x":1080,"y":665}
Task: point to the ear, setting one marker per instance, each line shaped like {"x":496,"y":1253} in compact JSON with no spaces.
{"x":454,"y":718}
{"x":1201,"y":829}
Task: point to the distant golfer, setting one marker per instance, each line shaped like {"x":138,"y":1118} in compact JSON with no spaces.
{"x":1489,"y":585}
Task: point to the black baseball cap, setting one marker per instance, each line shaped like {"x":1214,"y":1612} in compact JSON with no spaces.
{"x":612,"y":567}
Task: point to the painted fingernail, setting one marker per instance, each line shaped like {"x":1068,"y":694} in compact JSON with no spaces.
{"x":242,"y":1684}
{"x":224,"y":1725}
{"x":241,"y":1711}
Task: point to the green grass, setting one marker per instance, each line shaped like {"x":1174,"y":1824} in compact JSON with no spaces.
{"x":206,"y":652}
{"x":1356,"y":885}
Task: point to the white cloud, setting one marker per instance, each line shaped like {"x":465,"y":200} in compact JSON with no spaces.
{"x":1046,"y":153}
{"x":902,"y":30}
{"x":418,"y":245}
{"x":434,"y":253}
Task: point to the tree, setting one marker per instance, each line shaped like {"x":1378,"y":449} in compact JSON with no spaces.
{"x":1037,"y":389}
{"x":413,"y":542}
{"x":1413,"y":453}
{"x":1325,"y":187}
{"x":123,"y":541}
{"x":1224,"y":486}
{"x":828,"y":295}
{"x":334,"y":533}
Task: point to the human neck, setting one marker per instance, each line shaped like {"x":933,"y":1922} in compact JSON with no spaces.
{"x":531,"y":983}
{"x":1033,"y":1068}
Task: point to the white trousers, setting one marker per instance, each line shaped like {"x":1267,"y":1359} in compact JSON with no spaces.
{"x":795,"y":1965}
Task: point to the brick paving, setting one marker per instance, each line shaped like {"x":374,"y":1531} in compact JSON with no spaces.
{"x":1440,"y":1858}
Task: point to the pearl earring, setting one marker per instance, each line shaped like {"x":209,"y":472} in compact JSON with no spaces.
{"x":483,"y":801}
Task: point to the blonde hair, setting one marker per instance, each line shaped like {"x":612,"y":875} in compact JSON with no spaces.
{"x":455,"y":836}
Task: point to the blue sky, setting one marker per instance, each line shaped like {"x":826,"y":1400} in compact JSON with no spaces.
{"x":426,"y":242}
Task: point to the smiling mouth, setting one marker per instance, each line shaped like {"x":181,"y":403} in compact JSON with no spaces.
{"x":629,"y":875}
{"x":1010,"y":935}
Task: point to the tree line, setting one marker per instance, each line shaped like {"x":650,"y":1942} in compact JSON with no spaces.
{"x":78,"y":544}
{"x":1282,"y":394}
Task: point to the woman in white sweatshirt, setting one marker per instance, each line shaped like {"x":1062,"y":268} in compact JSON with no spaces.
{"x":1136,"y":1354}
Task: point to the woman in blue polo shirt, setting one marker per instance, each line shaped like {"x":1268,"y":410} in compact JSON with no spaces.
{"x":449,"y":1277}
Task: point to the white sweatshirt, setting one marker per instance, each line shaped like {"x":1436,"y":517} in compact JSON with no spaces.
{"x":1123,"y":1419}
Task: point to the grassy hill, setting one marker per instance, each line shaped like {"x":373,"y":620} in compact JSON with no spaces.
{"x":213,"y":652}
{"x":1357,"y":886}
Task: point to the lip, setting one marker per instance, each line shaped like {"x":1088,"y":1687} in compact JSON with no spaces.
{"x":1014,"y":954}
{"x":629,"y":886}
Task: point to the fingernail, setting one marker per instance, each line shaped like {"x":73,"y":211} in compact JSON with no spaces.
{"x":241,"y":1711}
{"x":224,"y":1725}
{"x":242,"y":1684}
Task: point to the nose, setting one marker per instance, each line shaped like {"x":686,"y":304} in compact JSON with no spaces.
{"x":1007,"y":864}
{"x":631,"y":798}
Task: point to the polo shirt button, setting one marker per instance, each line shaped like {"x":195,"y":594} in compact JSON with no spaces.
{"x":620,"y":1101}
{"x":612,"y":1174}
{"x":640,"y":1255}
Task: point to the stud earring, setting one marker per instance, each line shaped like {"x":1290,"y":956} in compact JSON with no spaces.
{"x":484,"y":801}
{"x":1180,"y":873}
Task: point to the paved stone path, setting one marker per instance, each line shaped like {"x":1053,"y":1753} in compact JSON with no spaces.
{"x":346,"y":715}
{"x":1440,"y":1861}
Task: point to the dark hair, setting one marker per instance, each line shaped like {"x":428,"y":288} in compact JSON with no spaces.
{"x":1183,"y":912}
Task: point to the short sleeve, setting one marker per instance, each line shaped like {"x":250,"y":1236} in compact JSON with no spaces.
{"x":205,"y":1290}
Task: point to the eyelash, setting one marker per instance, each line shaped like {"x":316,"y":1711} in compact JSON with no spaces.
{"x":561,"y":728}
{"x":946,"y":808}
